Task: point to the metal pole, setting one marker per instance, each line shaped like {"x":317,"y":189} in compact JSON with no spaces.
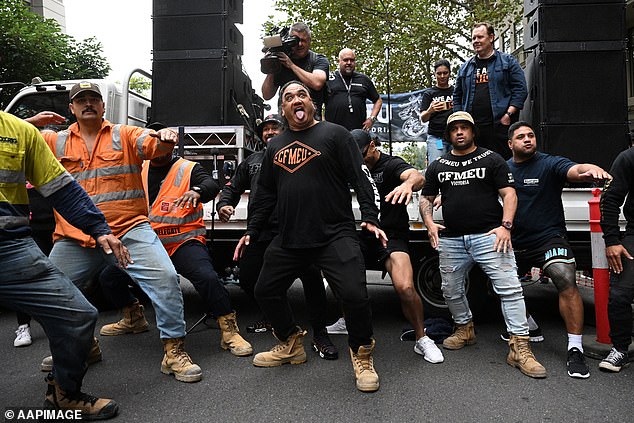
{"x":389,"y":98}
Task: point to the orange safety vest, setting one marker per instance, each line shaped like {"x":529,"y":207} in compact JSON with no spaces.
{"x":111,"y":174}
{"x":175,"y":225}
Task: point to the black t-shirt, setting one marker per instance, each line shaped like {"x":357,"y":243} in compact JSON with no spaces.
{"x":338,"y":107}
{"x":387,"y":176}
{"x":438,"y":120}
{"x":304,"y":177}
{"x":309,"y":63}
{"x":482,"y":111}
{"x":469,"y":186}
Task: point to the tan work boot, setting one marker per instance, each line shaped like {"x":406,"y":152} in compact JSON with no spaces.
{"x":177,"y":362}
{"x":133,"y":321}
{"x":91,"y":408}
{"x":231,"y":339}
{"x":462,"y":335}
{"x":289,"y":351}
{"x":521,"y":356}
{"x":94,"y":356}
{"x":363,"y":365}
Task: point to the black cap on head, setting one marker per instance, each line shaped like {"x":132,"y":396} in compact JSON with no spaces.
{"x":156,"y":126}
{"x":272,"y":118}
{"x":83,"y":86}
{"x":363,"y":139}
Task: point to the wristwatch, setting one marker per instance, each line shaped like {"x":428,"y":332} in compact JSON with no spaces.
{"x":509,"y":114}
{"x":507,"y":224}
{"x":373,"y":119}
{"x":197,"y":189}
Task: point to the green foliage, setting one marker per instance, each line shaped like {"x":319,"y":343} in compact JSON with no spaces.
{"x":414,"y":153}
{"x":141,"y":85}
{"x":31,"y":46}
{"x":418,"y":32}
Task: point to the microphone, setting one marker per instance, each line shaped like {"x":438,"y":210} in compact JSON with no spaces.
{"x":243,"y":112}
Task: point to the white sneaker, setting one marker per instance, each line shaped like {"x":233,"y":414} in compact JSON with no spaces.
{"x":338,"y":328}
{"x":428,"y":349}
{"x":23,"y":336}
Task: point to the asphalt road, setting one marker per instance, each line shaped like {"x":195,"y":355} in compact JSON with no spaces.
{"x":473,"y":384}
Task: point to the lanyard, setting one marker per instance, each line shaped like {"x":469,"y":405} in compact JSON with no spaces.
{"x":348,"y":87}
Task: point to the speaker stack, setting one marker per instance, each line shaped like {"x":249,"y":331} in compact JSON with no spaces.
{"x":576,"y":78}
{"x":197,"y":67}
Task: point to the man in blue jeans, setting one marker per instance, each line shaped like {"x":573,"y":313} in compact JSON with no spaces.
{"x":490,"y":86}
{"x":477,"y":230}
{"x":30,"y":283}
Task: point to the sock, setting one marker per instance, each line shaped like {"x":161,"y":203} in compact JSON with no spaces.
{"x":574,"y":341}
{"x":532,"y":324}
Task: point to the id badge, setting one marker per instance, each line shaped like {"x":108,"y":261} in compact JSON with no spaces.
{"x":439,"y":144}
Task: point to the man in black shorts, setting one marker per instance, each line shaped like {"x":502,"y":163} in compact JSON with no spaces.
{"x":539,"y":232}
{"x":396,"y":180}
{"x":304,"y":178}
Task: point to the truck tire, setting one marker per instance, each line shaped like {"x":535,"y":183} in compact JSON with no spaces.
{"x":428,"y":285}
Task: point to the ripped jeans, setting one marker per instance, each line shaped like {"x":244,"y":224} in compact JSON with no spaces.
{"x":457,"y":257}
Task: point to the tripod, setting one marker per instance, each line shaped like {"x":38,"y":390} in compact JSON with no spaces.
{"x":214,"y":175}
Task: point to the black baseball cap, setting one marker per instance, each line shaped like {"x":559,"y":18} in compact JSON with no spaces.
{"x":83,"y":86}
{"x":272,"y":118}
{"x":363,"y":139}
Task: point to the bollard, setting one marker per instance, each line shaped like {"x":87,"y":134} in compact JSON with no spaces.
{"x":600,"y":270}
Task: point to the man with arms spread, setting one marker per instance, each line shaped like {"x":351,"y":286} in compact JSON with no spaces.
{"x":395,"y":181}
{"x":490,"y":86}
{"x":252,"y":259}
{"x":348,"y":92}
{"x":539,"y":230}
{"x":304,"y":177}
{"x":477,"y":230}
{"x":106,"y":161}
{"x":619,"y":251}
{"x":29,"y":282}
{"x":304,"y":65}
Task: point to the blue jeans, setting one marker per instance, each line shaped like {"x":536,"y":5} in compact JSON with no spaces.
{"x":436,"y":147}
{"x":30,"y":283}
{"x":152,"y":270}
{"x":457,"y":257}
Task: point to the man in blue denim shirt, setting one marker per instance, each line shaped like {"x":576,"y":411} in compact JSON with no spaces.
{"x":490,"y":86}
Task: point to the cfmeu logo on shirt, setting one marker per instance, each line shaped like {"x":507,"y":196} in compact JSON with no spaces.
{"x":294,"y":156}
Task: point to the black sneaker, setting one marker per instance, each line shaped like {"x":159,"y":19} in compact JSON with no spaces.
{"x":615,"y":361}
{"x":324,"y":347}
{"x":576,"y":364}
{"x":535,"y":335}
{"x":259,"y":327}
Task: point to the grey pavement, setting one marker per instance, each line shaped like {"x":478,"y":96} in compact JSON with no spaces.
{"x":473,"y":384}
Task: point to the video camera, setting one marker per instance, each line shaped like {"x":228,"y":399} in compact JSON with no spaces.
{"x":282,"y":42}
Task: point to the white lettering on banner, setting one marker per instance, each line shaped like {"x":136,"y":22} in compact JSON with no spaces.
{"x":477,"y":173}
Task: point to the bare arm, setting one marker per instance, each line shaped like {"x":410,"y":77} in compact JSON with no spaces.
{"x":586,"y":172}
{"x":425,"y":206}
{"x":268,"y":87}
{"x":509,"y":206}
{"x":367,"y":124}
{"x":315,"y":80}
{"x":412,"y":180}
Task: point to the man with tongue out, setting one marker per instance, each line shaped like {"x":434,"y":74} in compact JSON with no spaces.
{"x":304,"y":176}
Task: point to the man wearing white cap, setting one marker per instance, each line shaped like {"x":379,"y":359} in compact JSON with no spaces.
{"x":476,"y":230}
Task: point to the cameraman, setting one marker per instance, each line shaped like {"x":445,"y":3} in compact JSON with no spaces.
{"x":305,"y":65}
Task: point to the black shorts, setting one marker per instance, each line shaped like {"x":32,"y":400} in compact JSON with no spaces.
{"x":556,"y":250}
{"x":375,"y":254}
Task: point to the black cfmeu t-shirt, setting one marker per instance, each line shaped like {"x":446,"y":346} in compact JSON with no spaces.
{"x":438,"y":120}
{"x":338,"y":108}
{"x":304,"y":177}
{"x":387,"y":176}
{"x":482,"y":110}
{"x":469,"y":186}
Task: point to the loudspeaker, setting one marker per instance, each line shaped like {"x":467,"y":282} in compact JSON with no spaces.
{"x":531,"y":5}
{"x":574,"y":23}
{"x":200,"y":89}
{"x":581,"y":87}
{"x":233,"y":9}
{"x":598,"y":144}
{"x":196,"y":32}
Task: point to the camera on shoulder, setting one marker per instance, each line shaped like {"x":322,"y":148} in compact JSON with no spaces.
{"x":280,"y":41}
